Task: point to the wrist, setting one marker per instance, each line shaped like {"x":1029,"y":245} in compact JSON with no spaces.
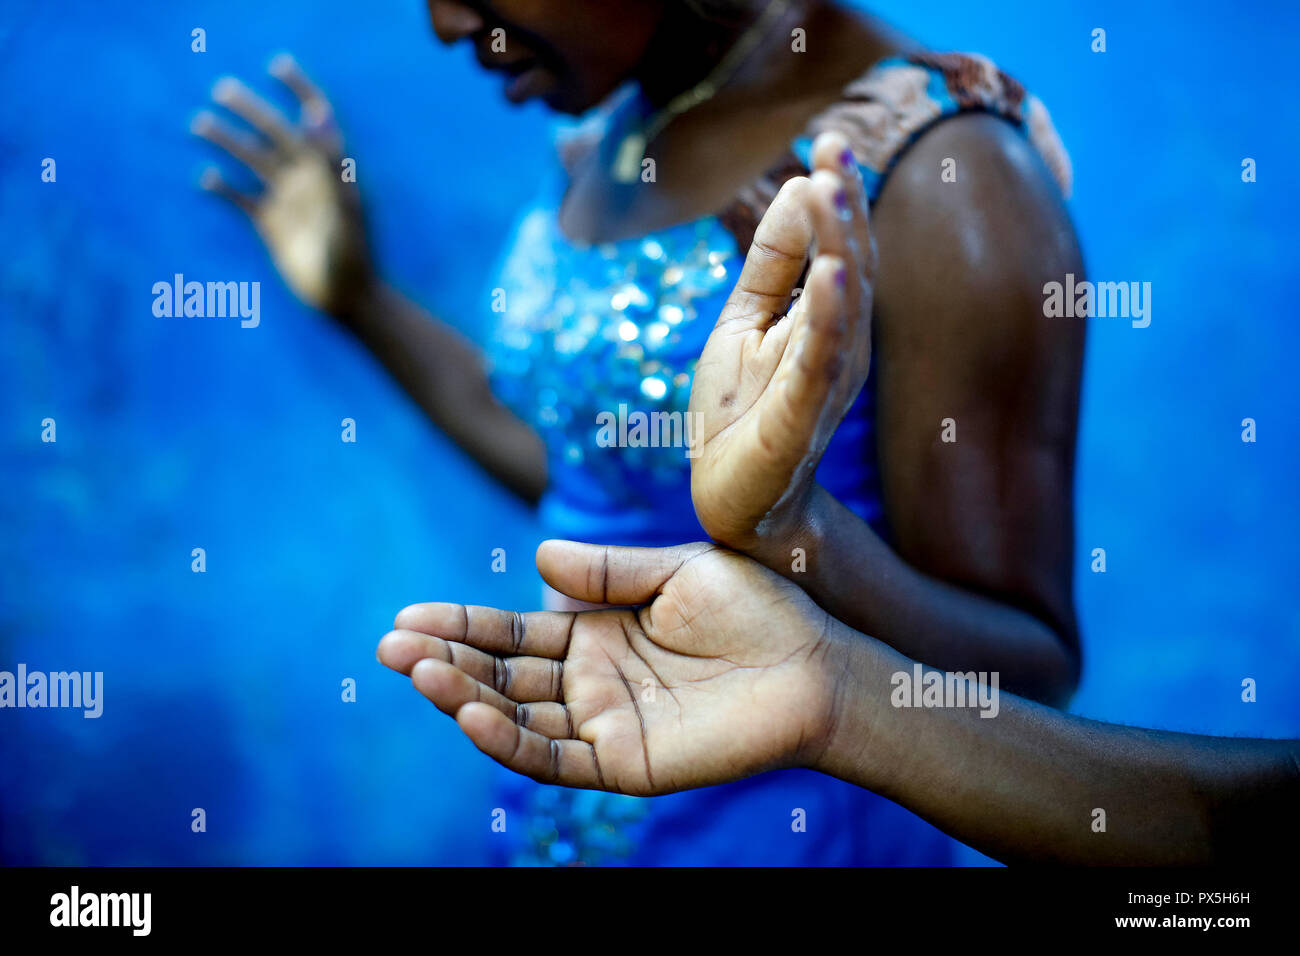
{"x":791,"y":543}
{"x":362,"y":299}
{"x":861,"y":740}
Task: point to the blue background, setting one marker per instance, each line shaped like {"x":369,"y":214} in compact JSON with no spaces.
{"x":223,"y":689}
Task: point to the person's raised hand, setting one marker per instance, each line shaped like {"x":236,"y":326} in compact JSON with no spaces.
{"x":722,"y":670}
{"x":308,"y":216}
{"x":771,"y":387}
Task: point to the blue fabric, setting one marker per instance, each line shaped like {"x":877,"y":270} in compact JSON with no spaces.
{"x":587,"y":329}
{"x":782,"y":818}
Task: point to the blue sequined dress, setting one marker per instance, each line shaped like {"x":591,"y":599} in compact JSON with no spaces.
{"x":587,"y":329}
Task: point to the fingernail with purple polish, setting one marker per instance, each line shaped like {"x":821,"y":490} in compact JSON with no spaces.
{"x":842,"y":205}
{"x":846,"y":159}
{"x":839,"y":277}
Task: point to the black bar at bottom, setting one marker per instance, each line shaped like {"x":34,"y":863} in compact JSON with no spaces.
{"x":523,"y":908}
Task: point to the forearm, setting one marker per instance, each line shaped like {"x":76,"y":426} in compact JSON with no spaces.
{"x":860,"y":580}
{"x":1031,"y":783}
{"x":444,"y":374}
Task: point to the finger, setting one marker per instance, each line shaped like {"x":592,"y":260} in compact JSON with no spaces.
{"x":793,"y":407}
{"x":316,"y":111}
{"x":535,"y":634}
{"x":607,"y":574}
{"x":547,"y":718}
{"x":831,"y":215}
{"x":571,"y":763}
{"x":522,"y":679}
{"x":450,"y":689}
{"x":212,"y":181}
{"x":817,"y":343}
{"x":261,"y":115}
{"x":286,"y":69}
{"x":831,"y":152}
{"x":243,"y":148}
{"x":775,"y":260}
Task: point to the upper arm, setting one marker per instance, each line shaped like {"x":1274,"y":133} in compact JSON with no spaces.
{"x":960,"y":334}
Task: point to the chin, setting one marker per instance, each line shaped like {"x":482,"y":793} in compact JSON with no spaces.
{"x":565,"y":101}
{"x":575,"y":97}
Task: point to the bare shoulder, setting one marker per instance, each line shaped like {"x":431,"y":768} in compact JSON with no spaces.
{"x":970,"y":225}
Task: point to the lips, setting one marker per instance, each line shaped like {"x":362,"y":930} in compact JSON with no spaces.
{"x":532,"y":80}
{"x":528,"y":74}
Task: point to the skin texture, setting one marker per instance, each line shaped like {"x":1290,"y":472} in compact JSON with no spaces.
{"x":643,"y":701}
{"x":977,"y":572}
{"x":978,"y":575}
{"x":749,"y":675}
{"x":770,"y":388}
{"x":1026,"y":785}
{"x":992,"y":512}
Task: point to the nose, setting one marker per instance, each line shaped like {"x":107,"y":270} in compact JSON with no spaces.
{"x":453,"y":21}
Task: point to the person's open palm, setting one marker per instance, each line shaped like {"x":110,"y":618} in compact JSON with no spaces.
{"x":308,"y":215}
{"x":770,"y":388}
{"x":719,"y":674}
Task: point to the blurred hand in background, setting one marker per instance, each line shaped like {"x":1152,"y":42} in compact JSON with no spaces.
{"x":309,"y":210}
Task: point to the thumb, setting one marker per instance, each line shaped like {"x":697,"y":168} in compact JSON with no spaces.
{"x":609,"y":574}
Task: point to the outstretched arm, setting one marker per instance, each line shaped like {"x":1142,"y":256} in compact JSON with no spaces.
{"x":725,"y":670}
{"x":1035,"y":785}
{"x":310,"y":218}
